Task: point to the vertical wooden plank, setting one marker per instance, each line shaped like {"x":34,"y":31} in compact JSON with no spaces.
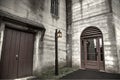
{"x":30,"y":46}
{"x":85,"y":50}
{"x":98,"y":53}
{"x":21,"y":55}
{"x":26,"y":54}
{"x":82,"y":54}
{"x":16,"y":51}
{"x":12,"y":61}
{"x":101,"y":61}
{"x":7,"y":56}
{"x":31,"y":53}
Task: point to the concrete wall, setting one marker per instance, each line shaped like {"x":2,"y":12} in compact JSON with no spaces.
{"x":39,"y":11}
{"x":86,"y":13}
{"x":1,"y":36}
{"x":116,"y":18}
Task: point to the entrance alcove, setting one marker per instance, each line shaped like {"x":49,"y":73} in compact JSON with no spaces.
{"x":92,"y":52}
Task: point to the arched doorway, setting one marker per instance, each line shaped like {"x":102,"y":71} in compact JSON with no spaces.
{"x":92,"y":53}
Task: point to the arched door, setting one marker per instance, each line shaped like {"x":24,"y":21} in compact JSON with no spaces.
{"x":92,"y":49}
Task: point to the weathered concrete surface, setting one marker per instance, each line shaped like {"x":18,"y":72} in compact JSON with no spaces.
{"x":116,"y":21}
{"x":86,"y":13}
{"x":1,"y":36}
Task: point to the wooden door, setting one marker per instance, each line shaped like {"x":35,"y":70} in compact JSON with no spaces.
{"x":25,"y":55}
{"x":91,"y":53}
{"x":8,"y":63}
{"x":93,"y":50}
{"x":17,"y":54}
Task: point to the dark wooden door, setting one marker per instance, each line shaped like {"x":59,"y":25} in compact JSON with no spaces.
{"x":17,"y":54}
{"x":93,"y":53}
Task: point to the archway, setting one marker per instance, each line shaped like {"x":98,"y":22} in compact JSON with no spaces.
{"x":92,"y":52}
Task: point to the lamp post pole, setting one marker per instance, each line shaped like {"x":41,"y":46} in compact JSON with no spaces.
{"x":56,"y":53}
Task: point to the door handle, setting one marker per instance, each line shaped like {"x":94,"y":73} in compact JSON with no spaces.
{"x":16,"y":56}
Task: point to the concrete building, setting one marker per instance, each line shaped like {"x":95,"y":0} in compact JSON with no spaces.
{"x":20,"y":17}
{"x":90,"y":35}
{"x":96,"y":24}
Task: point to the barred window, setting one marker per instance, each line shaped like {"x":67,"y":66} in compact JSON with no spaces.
{"x":55,"y":8}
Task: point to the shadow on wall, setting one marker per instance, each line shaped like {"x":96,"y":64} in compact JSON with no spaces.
{"x":37,"y":5}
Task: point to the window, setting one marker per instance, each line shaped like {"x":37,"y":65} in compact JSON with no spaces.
{"x":54,"y":8}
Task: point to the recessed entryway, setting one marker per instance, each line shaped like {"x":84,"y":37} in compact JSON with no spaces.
{"x":17,"y":54}
{"x":92,"y":52}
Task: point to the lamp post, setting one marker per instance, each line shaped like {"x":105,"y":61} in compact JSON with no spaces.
{"x":58,"y":34}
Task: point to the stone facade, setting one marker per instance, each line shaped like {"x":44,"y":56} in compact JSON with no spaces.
{"x":86,"y":13}
{"x":116,"y":21}
{"x":103,"y":14}
{"x":39,"y":11}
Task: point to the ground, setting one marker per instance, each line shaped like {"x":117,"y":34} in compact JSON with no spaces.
{"x":73,"y":73}
{"x":91,"y":74}
{"x":50,"y":74}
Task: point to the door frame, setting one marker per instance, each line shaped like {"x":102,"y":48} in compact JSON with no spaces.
{"x":32,"y":53}
{"x":17,"y":28}
{"x":99,"y":35}
{"x":21,"y":24}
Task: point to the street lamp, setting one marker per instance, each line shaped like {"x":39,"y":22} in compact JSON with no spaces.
{"x":58,"y":34}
